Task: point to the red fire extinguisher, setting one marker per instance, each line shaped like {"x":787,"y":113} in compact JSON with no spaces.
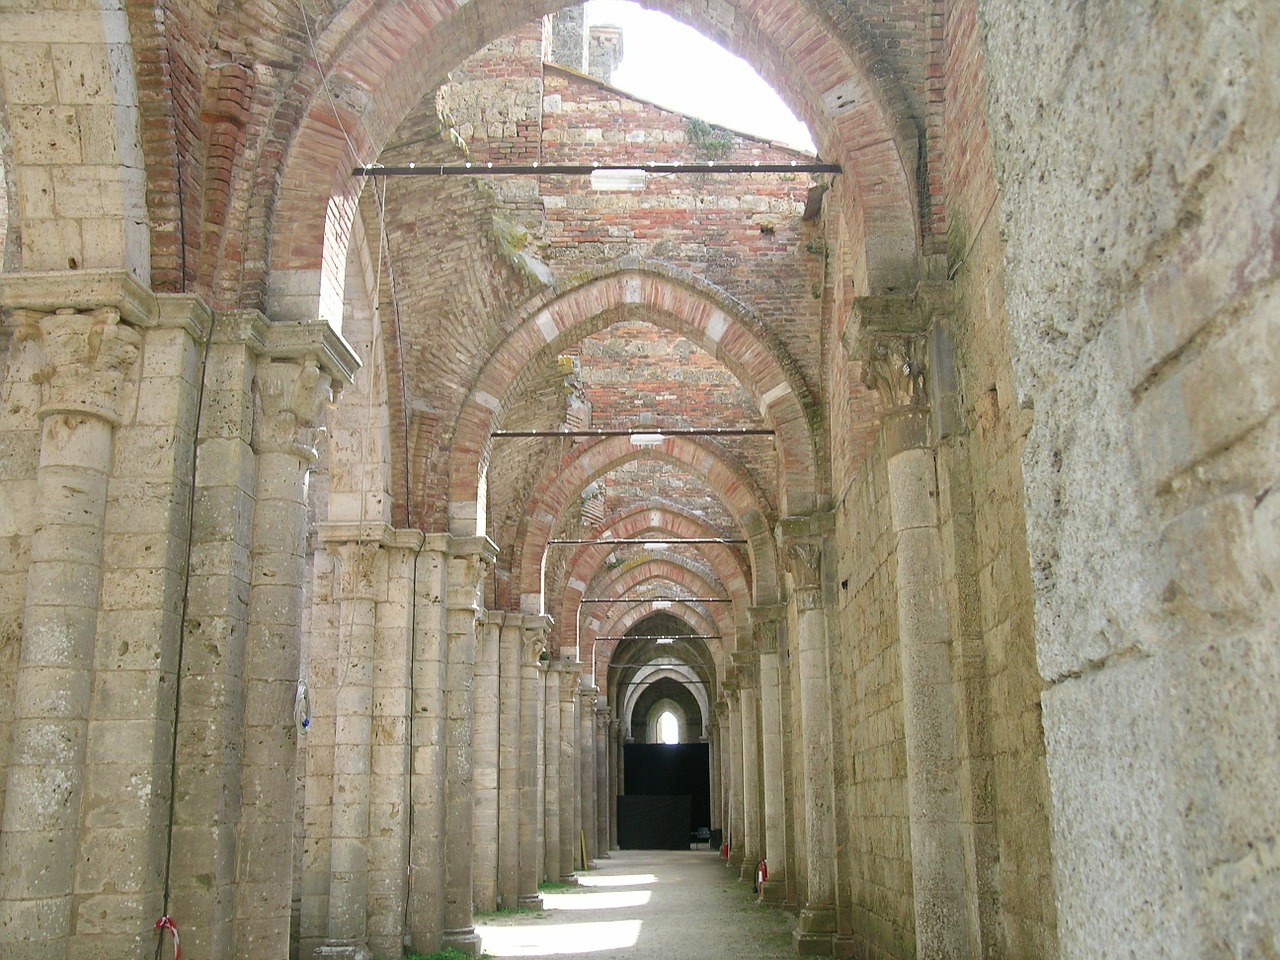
{"x":762,"y":874}
{"x":724,"y":850}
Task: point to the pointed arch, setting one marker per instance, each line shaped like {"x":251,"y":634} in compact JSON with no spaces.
{"x":671,"y":299}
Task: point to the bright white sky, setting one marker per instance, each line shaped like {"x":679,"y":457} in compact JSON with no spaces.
{"x":674,"y":66}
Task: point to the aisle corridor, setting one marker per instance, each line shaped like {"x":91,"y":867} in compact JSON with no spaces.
{"x":646,"y":905}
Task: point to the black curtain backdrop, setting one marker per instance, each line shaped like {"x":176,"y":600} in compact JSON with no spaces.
{"x":668,"y":795}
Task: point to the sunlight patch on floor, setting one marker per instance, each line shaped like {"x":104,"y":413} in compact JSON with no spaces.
{"x":623,"y":880}
{"x":596,"y":901}
{"x":558,"y":938}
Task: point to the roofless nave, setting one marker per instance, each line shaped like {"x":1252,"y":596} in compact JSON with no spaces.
{"x":326,"y":620}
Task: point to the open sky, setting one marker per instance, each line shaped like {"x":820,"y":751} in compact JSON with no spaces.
{"x":674,"y":66}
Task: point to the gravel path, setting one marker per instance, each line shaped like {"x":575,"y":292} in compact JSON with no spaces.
{"x":646,"y":905}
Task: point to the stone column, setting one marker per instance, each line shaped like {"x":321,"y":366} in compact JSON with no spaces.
{"x":893,"y":363}
{"x":765,"y":623}
{"x":569,"y":816}
{"x":615,"y":778}
{"x":715,"y":755}
{"x":289,"y":396}
{"x":745,"y":663}
{"x":586,"y":770}
{"x":484,"y":753}
{"x":87,"y":359}
{"x":604,"y":799}
{"x":736,"y":800}
{"x":355,"y":583}
{"x":510,"y":689}
{"x":533,"y":687}
{"x":469,"y":563}
{"x":551,"y":774}
{"x":427,"y":725}
{"x":802,"y":538}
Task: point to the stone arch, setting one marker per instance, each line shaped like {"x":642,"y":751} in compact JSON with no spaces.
{"x":649,"y":674}
{"x":585,"y":462}
{"x":645,"y":520}
{"x":384,"y":60}
{"x":87,"y":142}
{"x":661,"y":709}
{"x":675,"y":301}
{"x":620,"y":622}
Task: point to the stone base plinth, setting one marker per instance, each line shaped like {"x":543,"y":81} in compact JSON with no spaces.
{"x":343,"y":950}
{"x":843,"y":945}
{"x":533,"y":902}
{"x":774,"y":890}
{"x":815,"y":931}
{"x":464,"y":941}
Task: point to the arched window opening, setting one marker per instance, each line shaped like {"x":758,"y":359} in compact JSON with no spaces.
{"x":668,"y":728}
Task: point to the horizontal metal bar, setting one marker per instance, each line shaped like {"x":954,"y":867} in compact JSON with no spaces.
{"x":586,"y":169}
{"x":656,"y":600}
{"x":642,"y":432}
{"x":685,"y":636}
{"x":669,"y":541}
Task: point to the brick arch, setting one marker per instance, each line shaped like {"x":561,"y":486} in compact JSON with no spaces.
{"x":628,"y":616}
{"x":664,"y":521}
{"x":675,"y":301}
{"x":585,"y":462}
{"x":620,"y":618}
{"x":385,"y":57}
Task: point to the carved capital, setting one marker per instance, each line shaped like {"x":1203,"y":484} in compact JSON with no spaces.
{"x":357,"y":568}
{"x":535,"y":643}
{"x":894,"y":366}
{"x":766,"y":632}
{"x":87,"y":359}
{"x":288,"y":397}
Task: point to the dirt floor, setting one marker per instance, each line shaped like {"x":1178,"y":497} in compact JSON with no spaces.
{"x":646,"y":905}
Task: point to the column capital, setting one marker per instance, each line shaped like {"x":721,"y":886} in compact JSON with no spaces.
{"x":537,"y":628}
{"x":288,"y":398}
{"x":88,"y":358}
{"x":356,"y":573}
{"x":745,"y":662}
{"x":766,"y":636}
{"x":290,"y":341}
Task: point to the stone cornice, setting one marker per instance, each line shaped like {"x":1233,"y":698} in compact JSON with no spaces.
{"x":381,"y":533}
{"x":289,"y":341}
{"x":82,"y":291}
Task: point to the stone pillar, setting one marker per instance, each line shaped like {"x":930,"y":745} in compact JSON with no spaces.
{"x":533,"y":687}
{"x":551,"y":774}
{"x":745,"y":664}
{"x":569,"y":816}
{"x":586,"y":771}
{"x":765,"y":623}
{"x":87,"y":359}
{"x":427,"y":778}
{"x":736,"y":800}
{"x":716,"y":759}
{"x":484,"y":753}
{"x":615,"y":778}
{"x":604,"y":799}
{"x":511,"y":644}
{"x":802,"y":538}
{"x":289,"y":396}
{"x":354,"y":592}
{"x":893,"y":363}
{"x":469,"y":562}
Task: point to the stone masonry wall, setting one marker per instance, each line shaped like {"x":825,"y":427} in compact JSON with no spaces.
{"x":1136,"y":152}
{"x":987,"y":567}
{"x":872,"y":738}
